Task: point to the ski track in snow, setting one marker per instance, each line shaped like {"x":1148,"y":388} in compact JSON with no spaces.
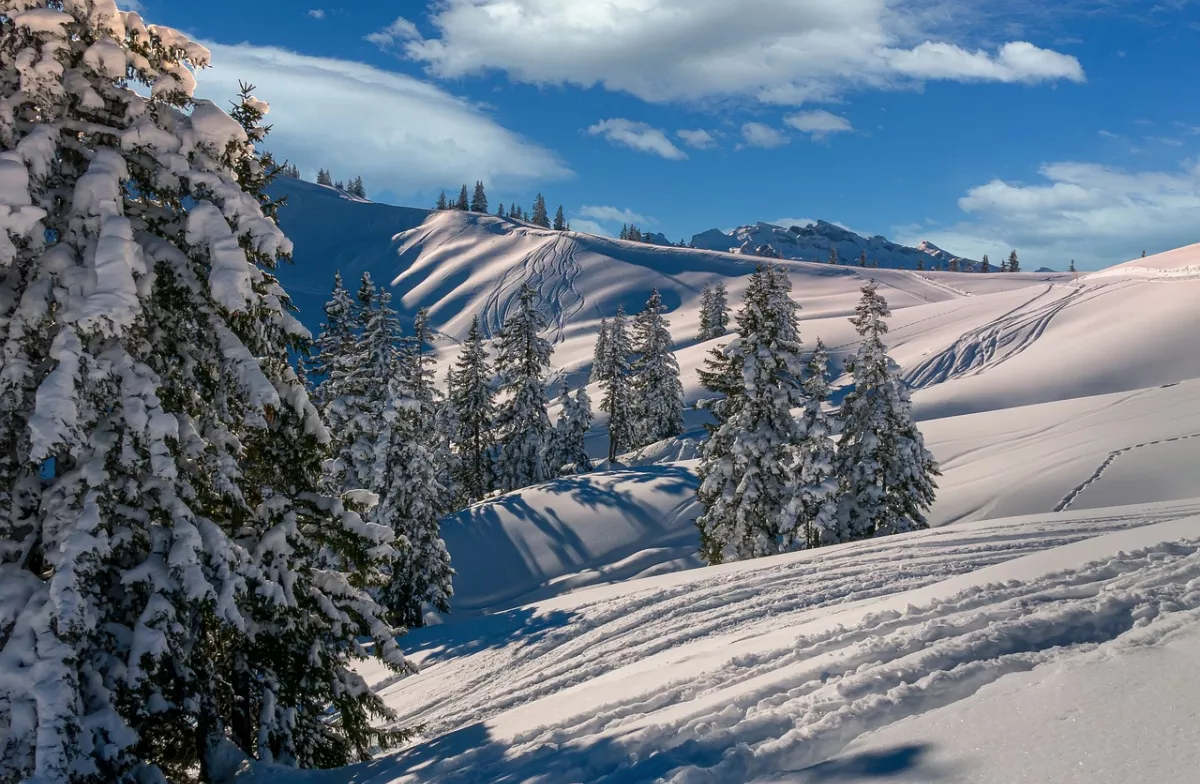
{"x":789,"y":707}
{"x":1001,"y":339}
{"x":1070,"y":497}
{"x":551,"y":271}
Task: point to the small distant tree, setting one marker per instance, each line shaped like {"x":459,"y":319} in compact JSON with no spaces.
{"x":560,"y":220}
{"x":985,"y":265}
{"x":1071,"y":267}
{"x":356,"y":188}
{"x":624,"y":232}
{"x":522,"y":423}
{"x":616,"y":383}
{"x":833,"y":256}
{"x":323,"y":177}
{"x":714,"y":311}
{"x":953,"y":265}
{"x":471,"y":393}
{"x":479,"y":202}
{"x":920,"y":264}
{"x":463,"y":204}
{"x":540,"y":216}
{"x":570,"y":433}
{"x":441,"y":202}
{"x":862,"y":259}
{"x":341,"y":186}
{"x":600,"y":356}
{"x":658,"y":393}
{"x":500,"y":210}
{"x":1013,"y":264}
{"x":1143,"y":254}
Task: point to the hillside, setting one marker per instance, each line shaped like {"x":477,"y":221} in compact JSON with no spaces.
{"x":587,"y":644}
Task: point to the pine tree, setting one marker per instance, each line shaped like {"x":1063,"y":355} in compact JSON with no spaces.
{"x":657,"y":391}
{"x":334,"y":344}
{"x":441,"y":202}
{"x":356,"y":188}
{"x":522,"y":423}
{"x":920,"y":264}
{"x":162,"y":520}
{"x":324,"y":177}
{"x":473,"y":399}
{"x":601,"y":354}
{"x":570,"y":433}
{"x":714,"y":311}
{"x":341,"y":186}
{"x":833,"y":256}
{"x":886,"y":474}
{"x":479,"y":202}
{"x":747,"y":482}
{"x":560,"y":220}
{"x":540,"y":216}
{"x":1071,"y":267}
{"x":985,"y":265}
{"x":462,"y":204}
{"x":500,"y":211}
{"x":862,"y":259}
{"x":817,"y":501}
{"x":616,"y":384}
{"x":1013,"y":264}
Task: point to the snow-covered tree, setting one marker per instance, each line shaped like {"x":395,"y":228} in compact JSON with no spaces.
{"x":570,"y":432}
{"x":479,"y":202}
{"x":500,"y":213}
{"x":473,"y":399}
{"x":441,"y":204}
{"x":522,"y":360}
{"x":747,"y":482}
{"x":324,"y":177}
{"x":341,"y":186}
{"x":409,"y":481}
{"x":657,"y":391}
{"x":463,"y":203}
{"x":600,"y":355}
{"x":885,"y":471}
{"x":616,"y":383}
{"x":163,"y":595}
{"x":540,"y":216}
{"x":334,"y":344}
{"x":1014,"y":265}
{"x":985,"y":265}
{"x":817,"y":500}
{"x":560,"y":220}
{"x":356,"y":188}
{"x":714,"y":311}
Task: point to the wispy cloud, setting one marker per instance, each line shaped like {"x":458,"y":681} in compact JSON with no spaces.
{"x":398,"y":31}
{"x":759,"y":135}
{"x":818,"y":124}
{"x":637,"y":136}
{"x":613,"y":214}
{"x":317,"y":13}
{"x":699,"y":139}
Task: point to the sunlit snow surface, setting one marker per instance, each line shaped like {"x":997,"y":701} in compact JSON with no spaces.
{"x":1060,"y":645}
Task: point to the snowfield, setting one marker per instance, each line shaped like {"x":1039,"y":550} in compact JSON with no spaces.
{"x":1046,"y":628}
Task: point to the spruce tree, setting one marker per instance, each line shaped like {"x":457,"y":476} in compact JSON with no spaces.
{"x":334,"y":345}
{"x":356,"y":188}
{"x":500,"y":211}
{"x":473,"y":399}
{"x":1004,"y":265}
{"x":560,"y":220}
{"x":570,"y":433}
{"x":862,"y":259}
{"x":624,"y":235}
{"x":408,"y":479}
{"x":341,"y":186}
{"x":833,"y":256}
{"x":162,"y":520}
{"x":885,"y":472}
{"x":1071,"y":267}
{"x":714,"y":311}
{"x":1013,"y":264}
{"x":817,"y":501}
{"x":985,"y":265}
{"x":540,"y":216}
{"x":324,"y":177}
{"x":747,"y":481}
{"x":657,"y":391}
{"x":920,"y":265}
{"x":600,"y":355}
{"x":462,"y":204}
{"x":479,"y":202}
{"x":616,"y":384}
{"x":441,"y":202}
{"x":524,"y":427}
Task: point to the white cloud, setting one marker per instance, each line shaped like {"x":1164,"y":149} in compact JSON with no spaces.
{"x":818,"y":124}
{"x":700,"y":139}
{"x":613,"y":214}
{"x":399,"y":30}
{"x":782,"y":51}
{"x":401,"y":134}
{"x":788,"y":223}
{"x":759,"y":135}
{"x":1095,"y":214}
{"x":317,"y":13}
{"x":589,"y":227}
{"x":638,"y":136}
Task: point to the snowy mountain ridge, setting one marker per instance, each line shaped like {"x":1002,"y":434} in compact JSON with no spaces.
{"x":816,"y":241}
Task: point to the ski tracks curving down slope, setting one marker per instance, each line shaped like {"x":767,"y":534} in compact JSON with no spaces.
{"x":551,"y":270}
{"x":740,"y":672}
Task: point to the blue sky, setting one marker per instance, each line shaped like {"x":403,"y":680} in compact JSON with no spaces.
{"x":1064,"y":129}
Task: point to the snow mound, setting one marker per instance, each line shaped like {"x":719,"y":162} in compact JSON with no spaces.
{"x":1173,"y":264}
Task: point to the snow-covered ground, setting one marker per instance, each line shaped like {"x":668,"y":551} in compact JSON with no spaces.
{"x":1044,"y":630}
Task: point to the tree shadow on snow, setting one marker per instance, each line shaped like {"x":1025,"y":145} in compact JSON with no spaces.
{"x":516,"y":627}
{"x":883,"y":764}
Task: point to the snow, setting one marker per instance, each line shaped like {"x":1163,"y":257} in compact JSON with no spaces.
{"x":1044,"y":629}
